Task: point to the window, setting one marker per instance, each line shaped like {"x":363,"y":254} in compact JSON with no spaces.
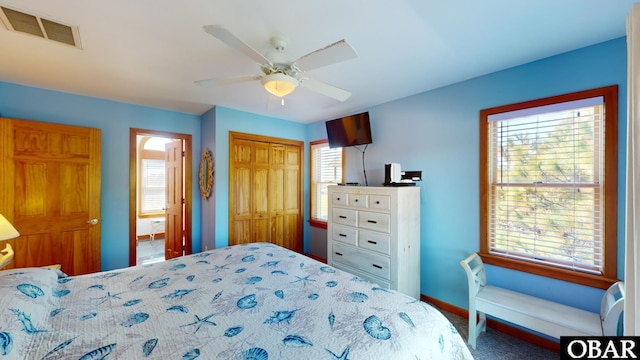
{"x":548,"y":186}
{"x":153,"y":184}
{"x":326,"y":169}
{"x":152,"y":175}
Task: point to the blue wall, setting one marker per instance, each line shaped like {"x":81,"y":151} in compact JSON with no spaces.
{"x":114,"y":119}
{"x":208,"y":223}
{"x":437,"y":132}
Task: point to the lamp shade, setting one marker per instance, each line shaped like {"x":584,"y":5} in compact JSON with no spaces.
{"x":279,"y":84}
{"x":7,"y":231}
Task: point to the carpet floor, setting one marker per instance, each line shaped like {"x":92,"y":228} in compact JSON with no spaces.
{"x":148,"y":252}
{"x":494,"y":345}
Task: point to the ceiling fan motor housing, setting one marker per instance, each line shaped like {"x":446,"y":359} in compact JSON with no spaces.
{"x":289,"y":70}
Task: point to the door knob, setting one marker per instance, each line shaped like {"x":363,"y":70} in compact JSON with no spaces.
{"x":92,"y":221}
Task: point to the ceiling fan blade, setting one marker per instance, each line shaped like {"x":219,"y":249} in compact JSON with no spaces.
{"x":330,"y":54}
{"x":326,"y":89}
{"x":224,"y":35}
{"x":225,"y":81}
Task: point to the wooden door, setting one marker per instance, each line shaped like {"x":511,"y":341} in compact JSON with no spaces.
{"x":265,"y":192}
{"x":292,"y":213}
{"x":260,"y":192}
{"x":276,"y":193}
{"x":174,"y":229}
{"x":50,"y":192}
{"x":240,"y":197}
{"x":249,"y":207}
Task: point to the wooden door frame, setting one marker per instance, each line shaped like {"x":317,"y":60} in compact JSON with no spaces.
{"x":133,"y":186}
{"x":233,"y":135}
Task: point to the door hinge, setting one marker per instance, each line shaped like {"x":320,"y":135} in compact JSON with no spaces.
{"x":183,"y":153}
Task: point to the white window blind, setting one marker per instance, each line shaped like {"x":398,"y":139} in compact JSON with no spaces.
{"x":326,"y":169}
{"x":153,"y":186}
{"x":546,"y":185}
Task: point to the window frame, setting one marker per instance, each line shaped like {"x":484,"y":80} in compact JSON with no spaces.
{"x":319,"y":223}
{"x":610,"y":191}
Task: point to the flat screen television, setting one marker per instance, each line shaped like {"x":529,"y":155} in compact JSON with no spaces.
{"x":349,"y":131}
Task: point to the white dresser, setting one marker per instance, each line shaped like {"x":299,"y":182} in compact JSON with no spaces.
{"x":374,"y":233}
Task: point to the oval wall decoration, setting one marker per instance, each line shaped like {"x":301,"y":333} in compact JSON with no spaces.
{"x":206,"y":174}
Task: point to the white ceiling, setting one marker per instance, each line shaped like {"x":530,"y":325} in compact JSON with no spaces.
{"x":150,"y":52}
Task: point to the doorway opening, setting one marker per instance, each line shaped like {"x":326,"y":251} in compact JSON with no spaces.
{"x":160,"y":196}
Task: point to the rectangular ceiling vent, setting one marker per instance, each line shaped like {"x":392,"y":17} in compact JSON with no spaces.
{"x":24,"y":22}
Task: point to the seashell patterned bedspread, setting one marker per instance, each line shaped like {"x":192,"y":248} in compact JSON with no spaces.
{"x":252,"y":301}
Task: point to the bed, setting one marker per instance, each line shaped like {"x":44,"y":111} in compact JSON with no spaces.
{"x":252,"y":301}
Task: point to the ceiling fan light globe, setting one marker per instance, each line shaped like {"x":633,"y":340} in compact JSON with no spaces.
{"x":279,"y":84}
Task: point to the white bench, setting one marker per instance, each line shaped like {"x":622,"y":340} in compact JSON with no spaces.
{"x":544,"y":316}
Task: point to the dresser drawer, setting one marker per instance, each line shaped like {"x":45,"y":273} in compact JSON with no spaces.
{"x":345,"y":234}
{"x":345,"y":216}
{"x":339,"y":199}
{"x":377,"y":265}
{"x":358,"y":200}
{"x":379,"y":242}
{"x":374,"y":221}
{"x":364,"y":276}
{"x":379,"y":202}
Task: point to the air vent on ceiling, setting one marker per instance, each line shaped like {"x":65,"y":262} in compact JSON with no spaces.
{"x":24,"y":22}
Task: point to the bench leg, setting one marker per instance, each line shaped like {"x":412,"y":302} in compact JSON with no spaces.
{"x":471,"y":339}
{"x":476,"y":327}
{"x":482,"y":324}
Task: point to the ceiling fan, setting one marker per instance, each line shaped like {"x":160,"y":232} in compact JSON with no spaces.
{"x":282,"y":76}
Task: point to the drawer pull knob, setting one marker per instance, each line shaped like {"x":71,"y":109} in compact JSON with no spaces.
{"x":338,"y":198}
{"x":372,"y":221}
{"x":337,"y":253}
{"x":356,"y":200}
{"x":378,"y":202}
{"x":343,"y":235}
{"x":377,"y":266}
{"x":372,"y":242}
{"x":342,"y":217}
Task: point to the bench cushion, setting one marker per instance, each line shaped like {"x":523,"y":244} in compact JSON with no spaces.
{"x":537,"y":314}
